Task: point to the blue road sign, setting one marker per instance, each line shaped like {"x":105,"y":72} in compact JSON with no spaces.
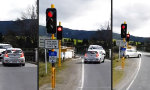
{"x":122,"y":49}
{"x":51,"y":53}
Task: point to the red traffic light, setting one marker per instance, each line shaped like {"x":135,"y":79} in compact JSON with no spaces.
{"x":128,"y":35}
{"x":123,"y":27}
{"x":59,"y":29}
{"x":50,"y":14}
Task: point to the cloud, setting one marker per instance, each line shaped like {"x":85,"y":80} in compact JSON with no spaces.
{"x":135,"y":14}
{"x":78,"y":14}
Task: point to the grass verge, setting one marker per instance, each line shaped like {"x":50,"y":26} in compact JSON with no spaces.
{"x":117,"y":74}
{"x":46,"y":78}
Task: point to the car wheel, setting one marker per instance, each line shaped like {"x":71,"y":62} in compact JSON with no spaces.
{"x":127,"y":56}
{"x":104,"y":60}
{"x":139,"y":55}
{"x":4,"y":64}
{"x":23,"y":64}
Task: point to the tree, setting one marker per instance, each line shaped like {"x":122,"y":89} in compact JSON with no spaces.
{"x":28,"y":23}
{"x":1,"y":37}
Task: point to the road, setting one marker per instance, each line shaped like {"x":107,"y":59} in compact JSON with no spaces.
{"x":18,"y":78}
{"x":142,"y":81}
{"x":96,"y":76}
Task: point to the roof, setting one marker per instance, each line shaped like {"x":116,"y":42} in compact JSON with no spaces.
{"x":4,"y":44}
{"x":14,"y":48}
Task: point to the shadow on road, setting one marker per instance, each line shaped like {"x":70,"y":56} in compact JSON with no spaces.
{"x":13,"y":65}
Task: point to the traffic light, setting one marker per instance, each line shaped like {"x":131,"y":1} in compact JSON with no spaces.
{"x":59,"y":32}
{"x":128,"y":37}
{"x":51,"y":20}
{"x":123,"y":30}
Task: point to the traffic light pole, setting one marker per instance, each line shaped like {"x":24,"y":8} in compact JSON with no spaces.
{"x":53,"y":64}
{"x":59,"y":62}
{"x":123,"y":58}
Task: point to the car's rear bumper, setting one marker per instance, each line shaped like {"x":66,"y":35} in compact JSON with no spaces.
{"x":92,"y":60}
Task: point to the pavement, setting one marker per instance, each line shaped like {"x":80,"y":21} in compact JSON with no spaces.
{"x":80,"y":76}
{"x":18,"y":78}
{"x":136,"y":74}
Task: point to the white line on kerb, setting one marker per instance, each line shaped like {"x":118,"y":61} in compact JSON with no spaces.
{"x":82,"y":82}
{"x":136,"y":73}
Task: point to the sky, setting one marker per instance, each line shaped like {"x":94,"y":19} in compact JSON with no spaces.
{"x":12,"y":9}
{"x":78,"y":14}
{"x":136,"y":13}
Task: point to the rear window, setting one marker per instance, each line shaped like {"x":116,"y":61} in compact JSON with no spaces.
{"x":5,"y":46}
{"x":91,"y":52}
{"x":14,"y":51}
{"x":92,"y":47}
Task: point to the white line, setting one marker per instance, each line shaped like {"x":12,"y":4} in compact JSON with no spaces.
{"x":136,"y":73}
{"x":82,"y":82}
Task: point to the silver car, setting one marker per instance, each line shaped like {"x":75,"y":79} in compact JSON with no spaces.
{"x":13,"y":56}
{"x":94,"y":56}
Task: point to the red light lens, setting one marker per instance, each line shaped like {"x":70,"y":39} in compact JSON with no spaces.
{"x":59,"y":29}
{"x":6,"y":55}
{"x":123,"y":27}
{"x":50,"y":14}
{"x":128,"y":35}
{"x":22,"y":55}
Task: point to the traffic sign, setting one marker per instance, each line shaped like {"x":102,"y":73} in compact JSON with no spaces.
{"x":52,"y":56}
{"x":51,"y":44}
{"x":121,"y":43}
{"x":42,"y":41}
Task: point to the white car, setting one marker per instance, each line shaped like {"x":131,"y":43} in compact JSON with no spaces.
{"x":132,"y":53}
{"x":13,"y":56}
{"x":95,"y":53}
{"x":3,"y":48}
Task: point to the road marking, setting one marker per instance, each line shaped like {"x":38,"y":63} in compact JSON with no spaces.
{"x":82,"y":78}
{"x":136,"y":73}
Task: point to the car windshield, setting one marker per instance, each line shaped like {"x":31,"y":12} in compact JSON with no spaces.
{"x":14,"y":51}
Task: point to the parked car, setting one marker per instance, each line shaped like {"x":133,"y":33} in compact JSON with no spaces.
{"x":13,"y":56}
{"x":132,"y":53}
{"x":95,"y":53}
{"x":3,"y":48}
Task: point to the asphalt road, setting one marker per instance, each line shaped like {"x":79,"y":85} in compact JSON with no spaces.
{"x":97,"y":76}
{"x":142,"y":81}
{"x":18,"y":78}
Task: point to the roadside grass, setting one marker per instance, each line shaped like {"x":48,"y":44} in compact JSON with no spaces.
{"x":117,"y":74}
{"x":46,"y":78}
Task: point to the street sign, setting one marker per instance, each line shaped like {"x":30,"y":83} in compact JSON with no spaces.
{"x":42,"y":41}
{"x":123,"y":49}
{"x":121,"y":43}
{"x":51,"y":44}
{"x":52,"y":56}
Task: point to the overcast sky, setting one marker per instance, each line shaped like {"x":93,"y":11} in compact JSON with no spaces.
{"x":136,"y":13}
{"x":12,"y":9}
{"x":78,"y":14}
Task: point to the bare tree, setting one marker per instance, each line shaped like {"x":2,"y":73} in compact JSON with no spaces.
{"x":28,"y":23}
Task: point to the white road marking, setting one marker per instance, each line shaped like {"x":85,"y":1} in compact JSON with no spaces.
{"x":82,"y":78}
{"x":136,"y":73}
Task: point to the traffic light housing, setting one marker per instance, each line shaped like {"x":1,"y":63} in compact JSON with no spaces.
{"x":51,"y":20}
{"x":128,"y":37}
{"x":123,"y":30}
{"x":59,"y":32}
